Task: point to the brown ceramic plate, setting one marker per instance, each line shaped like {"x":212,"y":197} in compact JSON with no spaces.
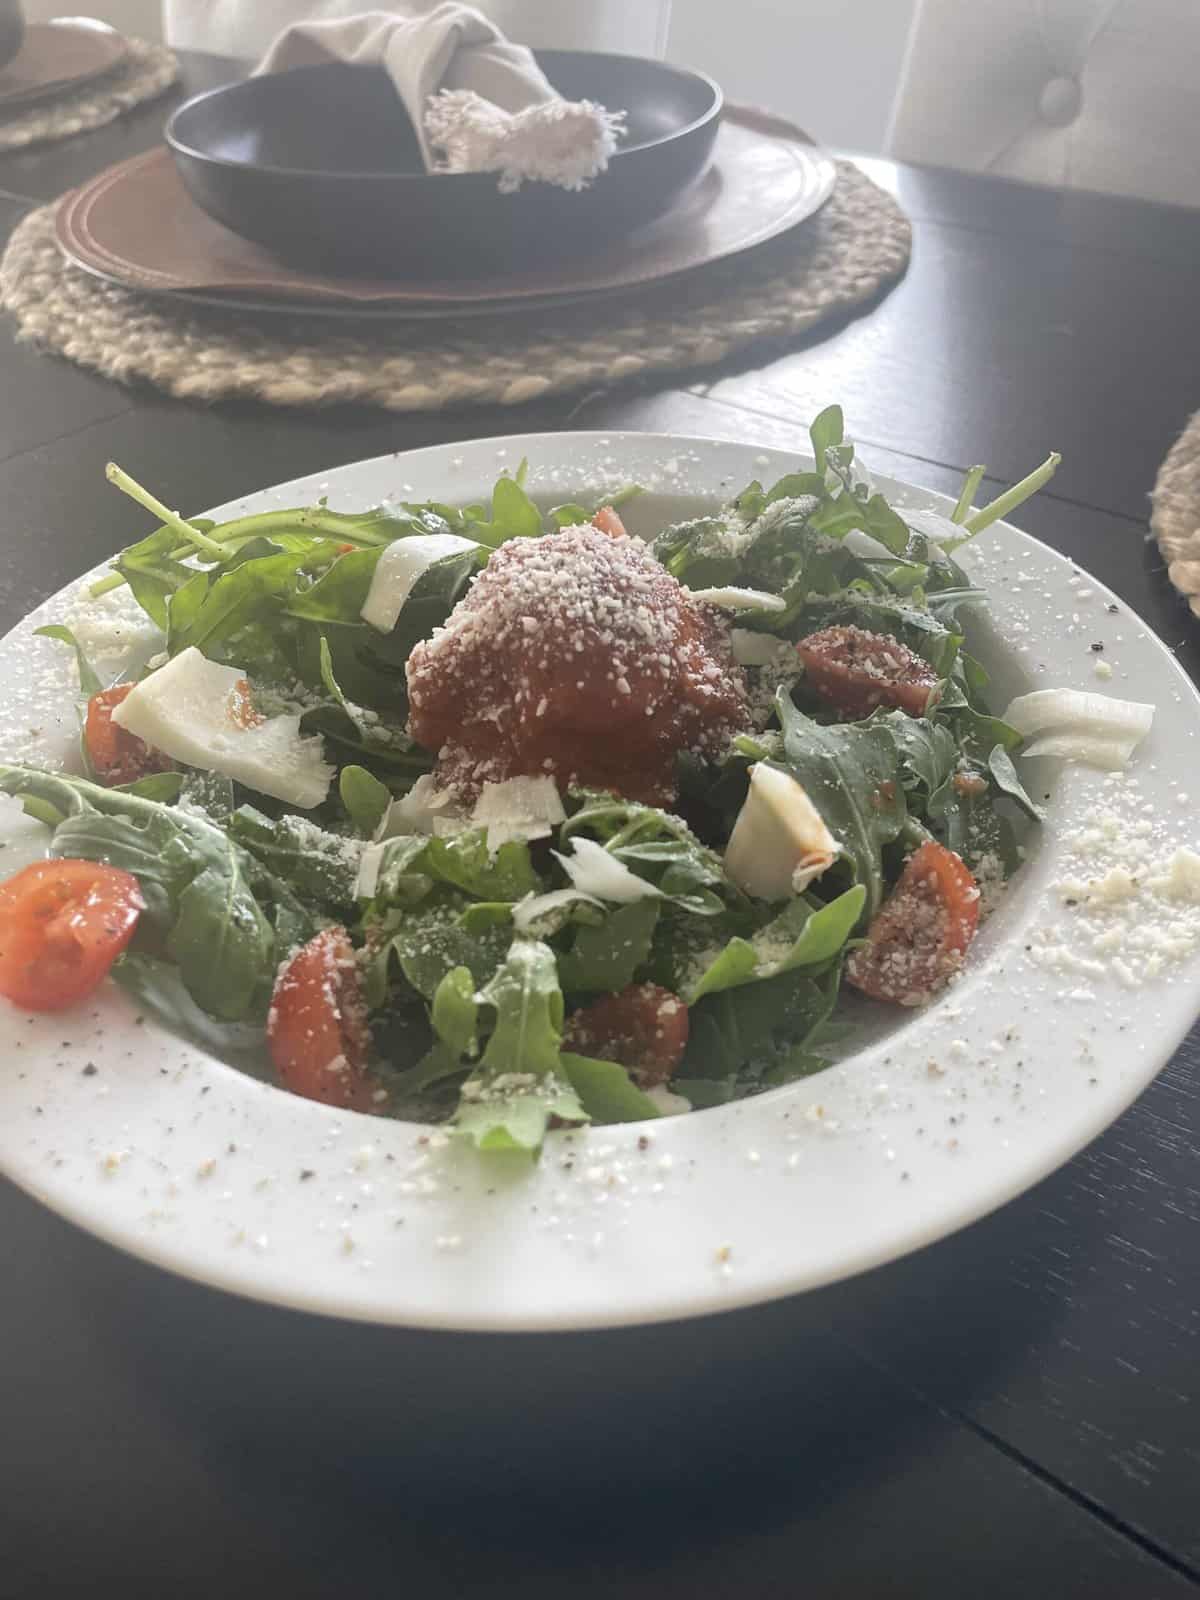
{"x":57,"y":57}
{"x":136,"y":226}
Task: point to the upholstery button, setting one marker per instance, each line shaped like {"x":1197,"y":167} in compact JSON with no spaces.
{"x":1060,"y":101}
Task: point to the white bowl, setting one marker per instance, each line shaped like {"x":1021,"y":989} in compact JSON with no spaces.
{"x":926,"y":1126}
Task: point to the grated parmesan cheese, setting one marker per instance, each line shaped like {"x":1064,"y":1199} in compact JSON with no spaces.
{"x":1127,"y":906}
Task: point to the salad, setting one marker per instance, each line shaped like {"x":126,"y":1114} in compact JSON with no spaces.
{"x":504,"y":820}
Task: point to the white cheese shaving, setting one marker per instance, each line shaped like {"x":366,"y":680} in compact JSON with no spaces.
{"x":531,"y":912}
{"x":1049,"y":710}
{"x":425,"y":809}
{"x":779,"y":842}
{"x":367,"y":881}
{"x":1095,"y":729}
{"x":733,"y":599}
{"x":518,"y":808}
{"x":668,"y":1104}
{"x":397,"y":570}
{"x":194,"y":711}
{"x":1108,"y":753}
{"x":755,"y":649}
{"x":597,"y":873}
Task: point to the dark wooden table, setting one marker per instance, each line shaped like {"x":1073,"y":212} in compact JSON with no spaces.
{"x":1018,"y":1406}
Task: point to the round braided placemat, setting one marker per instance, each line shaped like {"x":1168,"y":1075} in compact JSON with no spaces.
{"x":147,"y":71}
{"x":1175,"y":517}
{"x":853,"y":248}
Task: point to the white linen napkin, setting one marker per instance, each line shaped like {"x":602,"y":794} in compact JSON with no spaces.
{"x":477,"y":102}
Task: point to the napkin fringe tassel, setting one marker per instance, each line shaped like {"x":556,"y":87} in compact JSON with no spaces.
{"x":565,"y":142}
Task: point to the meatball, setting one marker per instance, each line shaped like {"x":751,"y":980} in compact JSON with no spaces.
{"x":575,"y":655}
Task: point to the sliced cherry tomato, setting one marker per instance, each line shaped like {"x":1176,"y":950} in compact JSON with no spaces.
{"x":317,"y":1029}
{"x":643,"y":1027}
{"x":62,"y":925}
{"x":917,"y":940}
{"x":607,"y":521}
{"x":857,"y":671}
{"x":117,"y":756}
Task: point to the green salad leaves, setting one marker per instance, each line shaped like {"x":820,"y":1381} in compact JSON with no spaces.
{"x":475,"y":963}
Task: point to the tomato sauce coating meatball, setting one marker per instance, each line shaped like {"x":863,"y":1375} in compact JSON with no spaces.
{"x":578,"y":656}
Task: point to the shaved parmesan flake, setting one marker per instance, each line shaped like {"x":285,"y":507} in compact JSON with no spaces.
{"x":530,"y":913}
{"x":399,"y":567}
{"x":195,"y":711}
{"x":595,"y":872}
{"x":739,"y":599}
{"x":368,"y":872}
{"x":1091,"y":749}
{"x":425,"y":809}
{"x":779,"y":842}
{"x":1095,"y":729}
{"x":755,"y":649}
{"x":518,"y":808}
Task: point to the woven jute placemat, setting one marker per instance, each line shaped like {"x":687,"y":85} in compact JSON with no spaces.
{"x":1175,"y":514}
{"x":840,"y":259}
{"x":147,"y":71}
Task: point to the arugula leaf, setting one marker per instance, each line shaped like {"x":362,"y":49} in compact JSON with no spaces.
{"x":606,"y":1091}
{"x":158,"y":986}
{"x":852,"y":775}
{"x":319,"y":866}
{"x":802,"y":936}
{"x":226,"y":920}
{"x":212,"y":612}
{"x":828,"y":428}
{"x":164,"y":787}
{"x":427,"y":942}
{"x":660,"y":847}
{"x":606,"y":957}
{"x":453,"y":1018}
{"x":454,"y":1012}
{"x":928,"y":751}
{"x":89,"y":681}
{"x":507,"y":1103}
{"x":366,"y":799}
{"x":514,"y":515}
{"x":703,"y":1093}
{"x":340,"y":593}
{"x":221,"y":941}
{"x":1000,"y":765}
{"x":466,"y":862}
{"x":750,"y":1031}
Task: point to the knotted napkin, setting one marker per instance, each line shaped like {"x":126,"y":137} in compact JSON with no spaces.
{"x":478,"y":103}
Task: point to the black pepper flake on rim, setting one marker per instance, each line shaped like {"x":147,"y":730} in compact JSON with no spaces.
{"x":90,"y":1070}
{"x":1097,"y":645}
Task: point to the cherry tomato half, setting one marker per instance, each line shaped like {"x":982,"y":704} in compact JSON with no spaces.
{"x":917,"y":940}
{"x":857,"y":671}
{"x":607,"y":520}
{"x":117,"y":756}
{"x":317,"y":1029}
{"x":643,"y":1027}
{"x":62,"y":925}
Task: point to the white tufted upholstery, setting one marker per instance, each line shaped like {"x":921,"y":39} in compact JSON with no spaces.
{"x":245,"y":28}
{"x":1089,"y":94}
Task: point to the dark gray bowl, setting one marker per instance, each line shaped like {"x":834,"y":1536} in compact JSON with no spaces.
{"x":321,"y":166}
